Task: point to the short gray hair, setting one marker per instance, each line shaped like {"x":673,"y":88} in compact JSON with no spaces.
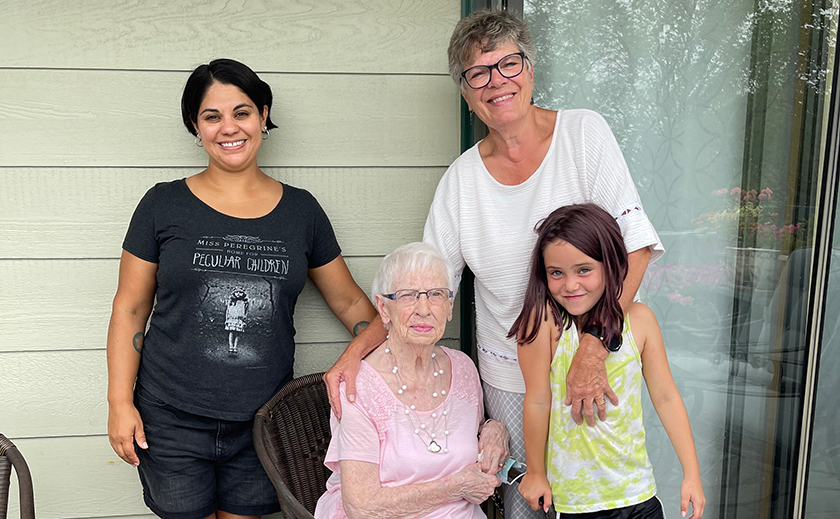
{"x":486,"y":31}
{"x":411,"y":258}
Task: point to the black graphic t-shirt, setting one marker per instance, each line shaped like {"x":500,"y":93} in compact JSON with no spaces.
{"x":221,"y":335}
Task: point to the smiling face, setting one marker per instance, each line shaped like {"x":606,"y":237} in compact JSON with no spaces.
{"x":504,"y":99}
{"x":421,"y":323}
{"x":230,"y":127}
{"x":575,"y":280}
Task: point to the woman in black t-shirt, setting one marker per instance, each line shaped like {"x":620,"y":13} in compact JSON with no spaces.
{"x":182,"y":395}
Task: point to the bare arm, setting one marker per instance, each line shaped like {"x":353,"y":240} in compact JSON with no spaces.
{"x":669,"y":405}
{"x":344,"y":297}
{"x":131,"y":309}
{"x":587,"y":382}
{"x":637,"y":264}
{"x":364,"y":497}
{"x":535,"y":363}
{"x":350,"y":304}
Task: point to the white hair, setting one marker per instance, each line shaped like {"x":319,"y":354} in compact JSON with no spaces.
{"x":411,"y":258}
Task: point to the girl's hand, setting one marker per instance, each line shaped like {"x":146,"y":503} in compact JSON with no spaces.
{"x":533,"y":488}
{"x":692,"y":491}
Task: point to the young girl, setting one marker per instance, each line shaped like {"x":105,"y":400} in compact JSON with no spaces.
{"x":577,"y":270}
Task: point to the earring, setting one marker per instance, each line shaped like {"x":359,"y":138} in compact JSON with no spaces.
{"x":198,"y":141}
{"x":265,"y":133}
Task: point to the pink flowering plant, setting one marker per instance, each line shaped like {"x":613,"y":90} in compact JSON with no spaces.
{"x":678,"y":282}
{"x":758,"y":218}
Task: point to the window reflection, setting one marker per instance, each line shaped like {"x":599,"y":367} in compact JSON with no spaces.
{"x":824,"y":476}
{"x":719,"y":107}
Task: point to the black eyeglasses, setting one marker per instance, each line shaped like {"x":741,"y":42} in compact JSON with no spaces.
{"x":408,"y":297}
{"x":509,"y":66}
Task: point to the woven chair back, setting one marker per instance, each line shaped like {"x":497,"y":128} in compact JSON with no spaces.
{"x":11,"y":458}
{"x":291,"y":436}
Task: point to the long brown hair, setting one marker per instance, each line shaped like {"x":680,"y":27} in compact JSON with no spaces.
{"x":595,"y":233}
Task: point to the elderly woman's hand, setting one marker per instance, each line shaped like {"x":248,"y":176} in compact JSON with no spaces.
{"x":493,"y":446}
{"x":586,"y":382}
{"x":472,"y":484}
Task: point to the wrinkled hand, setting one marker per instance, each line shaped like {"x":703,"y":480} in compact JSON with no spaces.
{"x":124,"y":427}
{"x":344,"y":370}
{"x":493,"y":446}
{"x":472,"y":484}
{"x":586,"y":383}
{"x":533,"y":488}
{"x":692,"y":491}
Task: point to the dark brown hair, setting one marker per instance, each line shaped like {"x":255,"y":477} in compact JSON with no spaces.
{"x":595,"y":233}
{"x":227,"y":72}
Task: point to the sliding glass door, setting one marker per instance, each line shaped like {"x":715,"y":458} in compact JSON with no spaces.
{"x":721,"y":109}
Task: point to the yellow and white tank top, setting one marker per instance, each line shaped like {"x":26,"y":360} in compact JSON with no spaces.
{"x":606,"y":466}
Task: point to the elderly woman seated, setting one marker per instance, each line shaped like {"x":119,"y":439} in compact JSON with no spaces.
{"x":414,"y":442}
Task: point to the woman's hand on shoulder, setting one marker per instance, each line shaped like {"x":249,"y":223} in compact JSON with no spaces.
{"x":472,"y":484}
{"x":534,"y":488}
{"x":345,"y":369}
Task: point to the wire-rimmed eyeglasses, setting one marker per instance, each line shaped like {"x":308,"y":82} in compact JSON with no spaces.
{"x":407,"y":297}
{"x":509,"y":66}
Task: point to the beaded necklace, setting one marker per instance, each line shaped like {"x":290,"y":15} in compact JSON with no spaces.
{"x":431,"y":431}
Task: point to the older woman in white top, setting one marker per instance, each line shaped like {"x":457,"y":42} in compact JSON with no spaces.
{"x":488,"y":202}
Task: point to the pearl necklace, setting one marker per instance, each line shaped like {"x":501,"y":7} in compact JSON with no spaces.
{"x":433,"y":445}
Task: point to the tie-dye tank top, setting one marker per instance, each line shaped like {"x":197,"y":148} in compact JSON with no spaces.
{"x":606,"y":466}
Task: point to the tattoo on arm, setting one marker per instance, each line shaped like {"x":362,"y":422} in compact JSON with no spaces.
{"x":357,"y":329}
{"x":137,"y":341}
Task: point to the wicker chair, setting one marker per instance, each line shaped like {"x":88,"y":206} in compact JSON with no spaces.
{"x":291,"y":436}
{"x":10,"y":457}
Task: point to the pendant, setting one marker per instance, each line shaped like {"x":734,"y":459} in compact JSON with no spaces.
{"x":434,"y":447}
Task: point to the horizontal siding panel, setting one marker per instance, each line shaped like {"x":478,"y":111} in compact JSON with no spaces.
{"x":78,"y":478}
{"x":62,"y":393}
{"x":125,"y":118}
{"x":64,"y":305}
{"x":90,"y":119}
{"x":56,"y":304}
{"x":54,"y":393}
{"x":373,"y":211}
{"x":293,"y":35}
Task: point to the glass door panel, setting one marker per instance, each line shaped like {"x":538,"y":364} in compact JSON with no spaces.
{"x":719,"y":107}
{"x":823,"y":495}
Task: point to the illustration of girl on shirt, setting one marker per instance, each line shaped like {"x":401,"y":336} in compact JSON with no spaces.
{"x":237,"y":307}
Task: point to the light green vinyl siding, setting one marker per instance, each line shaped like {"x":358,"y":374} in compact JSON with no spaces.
{"x":90,"y":119}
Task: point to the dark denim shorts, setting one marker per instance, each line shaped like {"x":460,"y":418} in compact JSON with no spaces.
{"x":196,"y":465}
{"x":650,"y":509}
